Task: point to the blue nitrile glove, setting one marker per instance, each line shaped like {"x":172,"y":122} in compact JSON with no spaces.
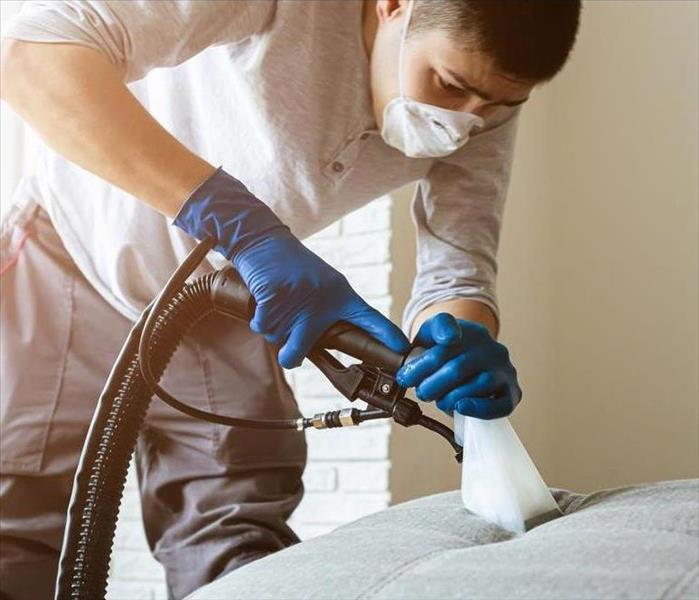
{"x":463,"y":369}
{"x":298,"y":295}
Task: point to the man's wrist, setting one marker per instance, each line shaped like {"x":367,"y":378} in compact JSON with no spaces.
{"x":469,"y":309}
{"x":224,"y":209}
{"x":184,"y":184}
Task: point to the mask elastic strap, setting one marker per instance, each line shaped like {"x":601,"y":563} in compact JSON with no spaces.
{"x":404,"y":35}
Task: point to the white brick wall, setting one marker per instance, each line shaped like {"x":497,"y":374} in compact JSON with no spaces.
{"x":347,"y":473}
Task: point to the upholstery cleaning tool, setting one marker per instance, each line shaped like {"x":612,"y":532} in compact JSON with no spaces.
{"x":499,"y":481}
{"x":121,"y":408}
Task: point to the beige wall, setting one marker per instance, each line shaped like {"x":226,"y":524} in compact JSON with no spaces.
{"x":598,"y":262}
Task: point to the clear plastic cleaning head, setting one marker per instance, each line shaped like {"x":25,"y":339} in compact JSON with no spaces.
{"x":499,"y":481}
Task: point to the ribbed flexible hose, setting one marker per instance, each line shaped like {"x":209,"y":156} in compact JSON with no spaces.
{"x":111,"y":439}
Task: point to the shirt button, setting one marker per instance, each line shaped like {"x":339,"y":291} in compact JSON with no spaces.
{"x":338,"y":167}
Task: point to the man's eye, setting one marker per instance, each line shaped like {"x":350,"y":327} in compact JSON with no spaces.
{"x":449,"y":87}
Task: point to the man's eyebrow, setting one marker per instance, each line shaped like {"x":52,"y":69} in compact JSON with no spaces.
{"x":481,"y":93}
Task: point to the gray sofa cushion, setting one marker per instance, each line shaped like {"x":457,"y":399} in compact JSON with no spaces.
{"x":635,"y":542}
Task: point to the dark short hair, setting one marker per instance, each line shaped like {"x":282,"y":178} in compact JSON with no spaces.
{"x":527,"y":39}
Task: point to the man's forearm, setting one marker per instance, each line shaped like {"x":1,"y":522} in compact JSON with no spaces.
{"x":461,"y":308}
{"x":78,"y":102}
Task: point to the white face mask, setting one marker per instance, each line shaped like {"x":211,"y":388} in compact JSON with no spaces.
{"x":422,"y":130}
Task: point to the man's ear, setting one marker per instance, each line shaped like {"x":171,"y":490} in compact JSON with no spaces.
{"x":386,"y":9}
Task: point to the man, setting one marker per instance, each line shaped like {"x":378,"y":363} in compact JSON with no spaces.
{"x":311,"y":109}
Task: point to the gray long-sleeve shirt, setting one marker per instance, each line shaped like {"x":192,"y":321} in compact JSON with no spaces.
{"x":278,"y":93}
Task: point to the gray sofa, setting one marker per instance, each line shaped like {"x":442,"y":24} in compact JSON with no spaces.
{"x":634,"y":542}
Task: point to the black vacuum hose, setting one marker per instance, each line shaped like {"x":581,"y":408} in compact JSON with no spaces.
{"x":111,"y":439}
{"x":101,"y":473}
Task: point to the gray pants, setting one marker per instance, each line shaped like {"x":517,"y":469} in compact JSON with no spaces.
{"x":213,"y":497}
